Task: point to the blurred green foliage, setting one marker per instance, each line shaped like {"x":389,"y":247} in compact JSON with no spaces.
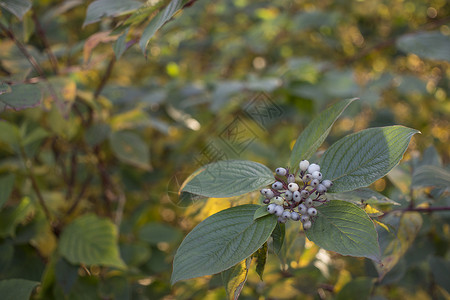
{"x":90,"y":141}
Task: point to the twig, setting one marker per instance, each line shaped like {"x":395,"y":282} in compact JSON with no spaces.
{"x":105,"y":77}
{"x":80,"y":195}
{"x":41,"y":33}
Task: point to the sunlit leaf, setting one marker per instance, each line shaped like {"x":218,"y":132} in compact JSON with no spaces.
{"x":109,"y":8}
{"x":17,"y":289}
{"x":91,"y":240}
{"x":235,"y":277}
{"x":362,"y":195}
{"x":316,"y":132}
{"x":419,"y":44}
{"x":344,"y":228}
{"x":359,"y":159}
{"x":228,"y":178}
{"x":221,"y":241}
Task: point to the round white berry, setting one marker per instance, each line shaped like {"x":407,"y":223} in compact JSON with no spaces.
{"x":327,"y":183}
{"x":279,"y":210}
{"x":309,"y":202}
{"x":277,"y":185}
{"x":321,"y":189}
{"x":296,"y":196}
{"x":314,"y":182}
{"x":312,"y":211}
{"x":303,"y":165}
{"x":317,"y":175}
{"x":286,"y":214}
{"x":293,"y":187}
{"x":264,"y":191}
{"x":312,"y":168}
{"x":302,"y":209}
{"x":291,"y":178}
{"x":307,"y":225}
{"x":278,"y":200}
{"x":307,"y":177}
{"x":281,"y":171}
{"x":269,"y":194}
{"x":271,"y":208}
{"x":295,"y":216}
{"x":304,"y":218}
{"x":282,"y":220}
{"x":304,"y":194}
{"x":288,"y":195}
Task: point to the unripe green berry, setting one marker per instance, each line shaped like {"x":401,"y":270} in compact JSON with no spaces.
{"x":278,"y":200}
{"x":281,"y":171}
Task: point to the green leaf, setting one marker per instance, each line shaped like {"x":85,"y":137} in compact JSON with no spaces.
{"x":158,"y":21}
{"x":155,"y":233}
{"x":419,"y":44}
{"x":16,"y":7}
{"x":234,"y":278}
{"x":22,"y":96}
{"x":359,"y":159}
{"x":278,"y":237}
{"x":17,"y":289}
{"x":109,"y":8}
{"x":6,"y":187}
{"x":228,"y":178}
{"x":10,"y":217}
{"x":261,"y":212}
{"x":66,"y":275}
{"x":362,"y":195}
{"x":261,"y":257}
{"x":120,"y":45}
{"x":430,"y":176}
{"x":130,"y":148}
{"x":440,"y":268}
{"x":357,"y":289}
{"x":344,"y":228}
{"x":221,"y":241}
{"x":91,"y":240}
{"x":316,"y":132}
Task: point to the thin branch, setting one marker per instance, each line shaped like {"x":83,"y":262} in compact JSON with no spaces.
{"x":41,"y":33}
{"x":105,"y":77}
{"x":83,"y":189}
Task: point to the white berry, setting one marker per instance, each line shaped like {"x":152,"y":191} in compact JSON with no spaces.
{"x":264,"y":191}
{"x":282,"y":220}
{"x":277,"y":185}
{"x":286,"y":214}
{"x":304,"y":218}
{"x":271,"y":208}
{"x":278,"y":200}
{"x":288,"y":195}
{"x":296,"y":196}
{"x":295,"y":216}
{"x":279,"y":210}
{"x":304,"y":194}
{"x":269,"y":194}
{"x":313,"y":167}
{"x":293,"y":187}
{"x":303,"y":165}
{"x":281,"y":171}
{"x":321,"y":189}
{"x":317,"y":175}
{"x":315,"y":182}
{"x":307,"y":177}
{"x":312,"y":211}
{"x":307,"y":225}
{"x":291,"y":178}
{"x":302,"y":209}
{"x":309,"y":202}
{"x":327,"y":183}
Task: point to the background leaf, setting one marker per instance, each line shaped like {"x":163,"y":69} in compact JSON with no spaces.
{"x":362,"y":195}
{"x":235,"y":277}
{"x":419,"y":44}
{"x":16,"y":7}
{"x":17,"y":289}
{"x":357,"y":289}
{"x":228,"y":178}
{"x":430,"y":176}
{"x":130,"y":148}
{"x":6,"y":187}
{"x":261,"y":257}
{"x":91,"y":240}
{"x":22,"y":96}
{"x":316,"y":132}
{"x":344,"y":228}
{"x":221,"y":241}
{"x":359,"y":159}
{"x":109,"y":8}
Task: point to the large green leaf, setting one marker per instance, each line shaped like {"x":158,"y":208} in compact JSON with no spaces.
{"x":228,"y":178}
{"x":6,"y":187}
{"x":130,"y":148}
{"x":109,"y":8}
{"x":362,"y":195}
{"x":22,"y":96}
{"x":316,"y":132}
{"x":157,"y":22}
{"x":430,"y":176}
{"x":432,"y":45}
{"x":235,"y":277}
{"x":91,"y":240}
{"x":16,"y":7}
{"x":16,"y":289}
{"x":344,"y":228}
{"x":359,"y":159}
{"x":221,"y":241}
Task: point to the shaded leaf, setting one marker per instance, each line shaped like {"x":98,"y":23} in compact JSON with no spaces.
{"x":10,"y":217}
{"x":22,"y":96}
{"x":235,"y":277}
{"x":419,"y":44}
{"x":120,"y":45}
{"x":362,"y":195}
{"x":352,"y":231}
{"x":158,"y":21}
{"x":130,"y":148}
{"x":316,"y":132}
{"x":16,"y":7}
{"x":278,"y":237}
{"x":17,"y":289}
{"x":6,"y":187}
{"x":261,"y":212}
{"x":441,"y":271}
{"x":430,"y":176}
{"x":221,"y":241}
{"x":359,"y":159}
{"x":91,"y":240}
{"x":109,"y":8}
{"x":228,"y":178}
{"x":155,"y":233}
{"x":261,"y":257}
{"x":66,"y":275}
{"x":357,"y":289}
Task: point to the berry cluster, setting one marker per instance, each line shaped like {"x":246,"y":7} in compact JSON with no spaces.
{"x":293,"y":196}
